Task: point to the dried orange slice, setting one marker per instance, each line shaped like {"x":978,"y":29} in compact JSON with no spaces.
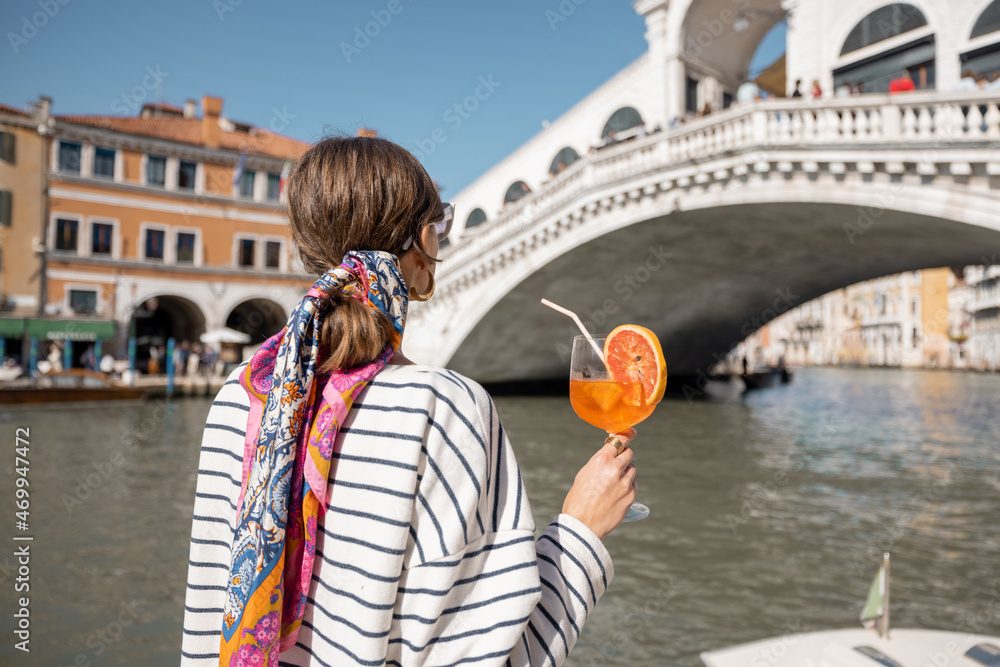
{"x":633,"y":354}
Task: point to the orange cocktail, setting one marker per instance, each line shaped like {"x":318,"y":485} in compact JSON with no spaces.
{"x":608,"y":404}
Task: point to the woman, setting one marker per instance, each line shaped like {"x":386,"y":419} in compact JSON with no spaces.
{"x":355,"y":508}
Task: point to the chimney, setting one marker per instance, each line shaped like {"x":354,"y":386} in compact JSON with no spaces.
{"x":190,"y":108}
{"x":42,"y":109}
{"x":211,"y":109}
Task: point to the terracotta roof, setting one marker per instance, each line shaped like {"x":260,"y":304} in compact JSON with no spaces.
{"x":188,"y":131}
{"x":9,"y":109}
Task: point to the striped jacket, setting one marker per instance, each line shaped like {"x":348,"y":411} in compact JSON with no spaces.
{"x":426,"y":554}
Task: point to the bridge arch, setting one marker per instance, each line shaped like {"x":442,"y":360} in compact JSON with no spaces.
{"x":621,"y":120}
{"x":516,"y":190}
{"x":567,"y":156}
{"x":673,"y":247}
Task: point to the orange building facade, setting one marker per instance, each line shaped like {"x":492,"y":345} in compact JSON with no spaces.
{"x":166,"y":225}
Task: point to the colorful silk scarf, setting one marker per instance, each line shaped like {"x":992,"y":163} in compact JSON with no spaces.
{"x":295,"y":414}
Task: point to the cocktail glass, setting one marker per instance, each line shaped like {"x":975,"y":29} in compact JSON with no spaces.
{"x":612,"y":405}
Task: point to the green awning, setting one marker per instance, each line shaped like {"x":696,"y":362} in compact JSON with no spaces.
{"x":71,"y":329}
{"x":11,"y":327}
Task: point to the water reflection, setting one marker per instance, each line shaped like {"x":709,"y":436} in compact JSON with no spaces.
{"x":769,"y":514}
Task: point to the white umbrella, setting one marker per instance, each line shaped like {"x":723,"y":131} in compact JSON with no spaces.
{"x":224,"y":335}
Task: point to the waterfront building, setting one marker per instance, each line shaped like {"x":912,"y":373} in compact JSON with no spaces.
{"x":163,"y":225}
{"x":984,"y":315}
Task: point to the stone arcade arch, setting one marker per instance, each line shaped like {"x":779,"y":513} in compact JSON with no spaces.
{"x":259,"y":318}
{"x":164,"y":316}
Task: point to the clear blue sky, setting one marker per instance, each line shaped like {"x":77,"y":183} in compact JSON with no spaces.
{"x":261,"y":57}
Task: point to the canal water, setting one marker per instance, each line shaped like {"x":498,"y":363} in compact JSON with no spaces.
{"x":769,"y":515}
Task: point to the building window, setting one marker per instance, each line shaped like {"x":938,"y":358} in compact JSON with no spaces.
{"x":691,"y":95}
{"x":272,"y":255}
{"x":101,"y":234}
{"x":7,"y":143}
{"x":154,"y":243}
{"x":69,"y":157}
{"x":246,"y":184}
{"x":156,"y":170}
{"x":727,"y":100}
{"x":66,"y":234}
{"x":104,"y":162}
{"x":273,"y":186}
{"x":83,"y":301}
{"x":6,"y":207}
{"x":185,"y":247}
{"x":915,"y":337}
{"x":246,"y":253}
{"x":185,"y":175}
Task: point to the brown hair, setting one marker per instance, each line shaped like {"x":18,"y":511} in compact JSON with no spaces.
{"x":356,"y":193}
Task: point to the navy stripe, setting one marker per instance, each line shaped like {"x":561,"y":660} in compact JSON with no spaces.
{"x":577,"y":562}
{"x":200,"y":656}
{"x":316,"y":658}
{"x":569,"y":586}
{"x":369,"y":459}
{"x":447,"y":487}
{"x":569,"y":616}
{"x":353,"y":568}
{"x":363,"y":543}
{"x":495,"y":654}
{"x":555,"y":625}
{"x":469,"y":580}
{"x":496,"y":476}
{"x":204,"y":610}
{"x":455,"y":377}
{"x":230,"y":404}
{"x":340,"y":619}
{"x":229,"y":382}
{"x":215,"y":496}
{"x":430,"y":513}
{"x":517,"y":510}
{"x":205,"y":587}
{"x":364,"y":603}
{"x":214,"y":519}
{"x":219,"y":450}
{"x":461,"y":635}
{"x":367,"y":515}
{"x":216,"y":543}
{"x":473,"y":605}
{"x":216,"y":473}
{"x":218,"y":565}
{"x":472,"y":554}
{"x":225,"y":427}
{"x":526,"y":647}
{"x":442,"y":398}
{"x":541,"y":642}
{"x":390,"y":408}
{"x":389,"y":435}
{"x":200,"y":633}
{"x":372,"y":487}
{"x":416,"y":542}
{"x":589,"y":548}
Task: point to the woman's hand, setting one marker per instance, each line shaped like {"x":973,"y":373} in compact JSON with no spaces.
{"x":604,"y":489}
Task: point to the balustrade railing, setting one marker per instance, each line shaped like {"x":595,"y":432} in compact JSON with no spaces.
{"x":913,"y":119}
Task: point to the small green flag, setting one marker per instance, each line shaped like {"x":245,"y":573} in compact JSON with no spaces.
{"x":874,"y":606}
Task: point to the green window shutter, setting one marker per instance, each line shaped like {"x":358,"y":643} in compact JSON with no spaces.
{"x":6,"y":206}
{"x":7,"y":147}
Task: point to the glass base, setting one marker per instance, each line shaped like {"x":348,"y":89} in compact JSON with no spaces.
{"x":637,"y":512}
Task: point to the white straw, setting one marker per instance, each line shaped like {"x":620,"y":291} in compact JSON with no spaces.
{"x":571,"y":314}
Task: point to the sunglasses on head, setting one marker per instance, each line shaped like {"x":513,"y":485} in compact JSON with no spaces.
{"x":442,"y":227}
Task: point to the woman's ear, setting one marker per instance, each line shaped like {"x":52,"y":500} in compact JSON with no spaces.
{"x":429,"y":241}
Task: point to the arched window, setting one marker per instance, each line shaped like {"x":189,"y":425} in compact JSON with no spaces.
{"x":883,"y":23}
{"x":477,"y":217}
{"x":988,"y":21}
{"x":621,"y":120}
{"x":566,"y":157}
{"x":516,"y":190}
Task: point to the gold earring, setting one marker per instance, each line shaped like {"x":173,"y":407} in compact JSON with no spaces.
{"x":426,"y":295}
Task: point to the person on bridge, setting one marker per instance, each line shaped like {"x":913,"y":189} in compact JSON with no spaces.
{"x":354,"y":507}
